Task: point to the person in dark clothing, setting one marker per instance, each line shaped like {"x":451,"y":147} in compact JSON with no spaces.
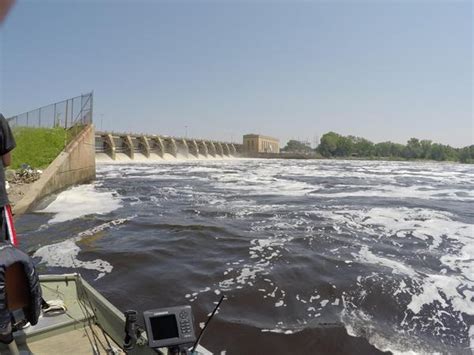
{"x":5,"y":5}
{"x":7,"y":143}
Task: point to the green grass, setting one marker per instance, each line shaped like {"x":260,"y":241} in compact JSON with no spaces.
{"x":38,"y":147}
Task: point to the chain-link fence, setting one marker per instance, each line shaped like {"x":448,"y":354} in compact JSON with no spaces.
{"x":67,"y":113}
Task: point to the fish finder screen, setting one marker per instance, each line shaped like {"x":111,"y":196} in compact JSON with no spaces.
{"x":164,"y":327}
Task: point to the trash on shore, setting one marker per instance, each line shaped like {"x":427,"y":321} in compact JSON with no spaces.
{"x":25,"y":175}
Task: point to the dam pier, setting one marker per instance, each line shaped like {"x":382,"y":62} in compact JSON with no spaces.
{"x":112,"y":146}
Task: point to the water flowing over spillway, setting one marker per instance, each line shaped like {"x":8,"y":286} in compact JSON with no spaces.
{"x":314,"y":256}
{"x":122,"y":158}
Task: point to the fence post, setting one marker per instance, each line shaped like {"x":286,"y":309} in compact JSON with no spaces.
{"x":55,"y":122}
{"x":27,"y":118}
{"x":72,"y":112}
{"x":92,"y":106}
{"x":39,"y":117}
{"x":82,"y":108}
{"x":65,"y":120}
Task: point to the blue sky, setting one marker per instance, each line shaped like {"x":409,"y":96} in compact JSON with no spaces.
{"x":384,"y":70}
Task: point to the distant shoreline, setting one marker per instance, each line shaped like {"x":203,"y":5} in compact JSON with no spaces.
{"x":302,"y":156}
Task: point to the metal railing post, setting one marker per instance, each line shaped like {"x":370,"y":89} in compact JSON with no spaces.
{"x":92,"y":106}
{"x":82,"y":108}
{"x":65,"y":120}
{"x":72,"y":112}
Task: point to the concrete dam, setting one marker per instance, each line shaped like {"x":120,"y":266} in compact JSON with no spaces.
{"x":140,"y":147}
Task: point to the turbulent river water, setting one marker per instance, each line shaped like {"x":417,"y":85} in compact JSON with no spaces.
{"x":315,"y":257}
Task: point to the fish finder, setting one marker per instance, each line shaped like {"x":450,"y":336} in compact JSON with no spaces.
{"x":169,"y":327}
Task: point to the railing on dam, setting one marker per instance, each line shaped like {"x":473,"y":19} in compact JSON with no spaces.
{"x":117,"y":146}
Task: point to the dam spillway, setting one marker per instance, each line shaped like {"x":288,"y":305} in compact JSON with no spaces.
{"x":111,"y":147}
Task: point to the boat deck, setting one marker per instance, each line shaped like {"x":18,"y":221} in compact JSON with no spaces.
{"x":76,"y":341}
{"x":90,"y":325}
{"x":71,"y":332}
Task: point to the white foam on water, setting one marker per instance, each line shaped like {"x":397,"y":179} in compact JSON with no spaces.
{"x":280,"y":331}
{"x":102,"y":158}
{"x":433,"y":287}
{"x":471,"y":338}
{"x":122,"y":157}
{"x":261,"y":182}
{"x":428,"y":225}
{"x":168,"y":156}
{"x":279,"y":303}
{"x":140,"y":157}
{"x":442,"y":288}
{"x":181,"y":156}
{"x":366,"y":256}
{"x":462,"y":261}
{"x":80,"y":201}
{"x":263,"y":252}
{"x":155,"y":156}
{"x":400,"y":192}
{"x":64,"y":254}
{"x":435,"y":299}
{"x":391,"y":343}
{"x":282,"y":179}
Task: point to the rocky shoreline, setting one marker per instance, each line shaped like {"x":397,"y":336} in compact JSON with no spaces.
{"x":19,"y":181}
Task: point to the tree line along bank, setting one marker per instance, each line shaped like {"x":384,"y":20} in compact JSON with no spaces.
{"x":335,"y":145}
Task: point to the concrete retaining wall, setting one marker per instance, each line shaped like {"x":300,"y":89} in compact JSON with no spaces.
{"x":74,"y":165}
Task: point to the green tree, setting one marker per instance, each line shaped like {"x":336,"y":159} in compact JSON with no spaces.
{"x":297,"y":146}
{"x":328,"y":144}
{"x":362,"y":147}
{"x":425,"y":149}
{"x":413,"y":149}
{"x":437,"y":152}
{"x":465,"y":155}
{"x":344,"y":147}
{"x":333,"y":144}
{"x":397,"y":150}
{"x":383,"y":149}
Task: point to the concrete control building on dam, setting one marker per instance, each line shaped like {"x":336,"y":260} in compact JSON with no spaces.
{"x":257,"y":144}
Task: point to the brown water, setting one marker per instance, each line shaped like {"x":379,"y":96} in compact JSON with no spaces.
{"x":314,"y":256}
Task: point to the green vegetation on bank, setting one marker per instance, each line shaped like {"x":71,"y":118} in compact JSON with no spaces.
{"x":336,"y":145}
{"x":295,"y":146}
{"x":38,"y":147}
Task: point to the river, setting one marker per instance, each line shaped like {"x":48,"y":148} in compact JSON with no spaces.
{"x":315,"y":257}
